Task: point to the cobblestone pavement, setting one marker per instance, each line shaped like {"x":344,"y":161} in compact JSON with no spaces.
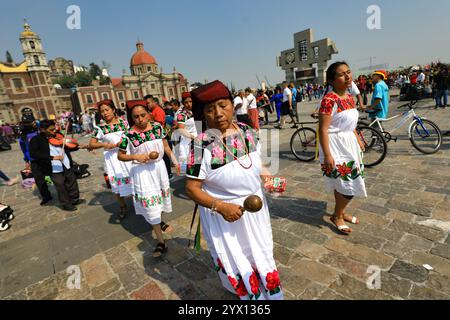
{"x":405,"y":223}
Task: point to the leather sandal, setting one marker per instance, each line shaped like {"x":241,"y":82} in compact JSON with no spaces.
{"x":165,"y":227}
{"x":344,"y":229}
{"x":123,"y":213}
{"x":160,"y":249}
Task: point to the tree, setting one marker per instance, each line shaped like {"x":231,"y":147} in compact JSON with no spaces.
{"x":9,"y":58}
{"x":94,"y":70}
{"x":83,"y":79}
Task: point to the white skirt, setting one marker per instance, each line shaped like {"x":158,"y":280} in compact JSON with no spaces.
{"x":347,"y":177}
{"x":118,"y":173}
{"x":151,"y":190}
{"x":243,"y":252}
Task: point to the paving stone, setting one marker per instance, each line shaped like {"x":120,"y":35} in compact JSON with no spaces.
{"x":287,"y":240}
{"x":213,"y":290}
{"x":119,"y":296}
{"x":416,"y":243}
{"x":424,"y":293}
{"x":19,"y":295}
{"x":355,"y":289}
{"x":439,"y":264}
{"x":117,"y":257}
{"x":439,"y":283}
{"x":420,"y":210}
{"x":312,"y":292}
{"x":371,"y":218}
{"x":345,"y":264}
{"x":282,"y":255}
{"x":331,"y":295}
{"x":312,"y":250}
{"x":96,"y":270}
{"x":109,"y":287}
{"x":375,"y":209}
{"x":365,"y":239}
{"x":295,"y":283}
{"x":442,"y":250}
{"x":418,"y":230}
{"x":193,"y":271}
{"x":315,"y":271}
{"x":383,"y":233}
{"x":150,"y":291}
{"x":132,"y":276}
{"x":395,"y":286}
{"x":400,"y":215}
{"x":371,"y":257}
{"x":409,"y":271}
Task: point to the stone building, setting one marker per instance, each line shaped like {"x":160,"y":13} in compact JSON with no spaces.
{"x":61,"y":67}
{"x":308,"y":60}
{"x":28,"y":84}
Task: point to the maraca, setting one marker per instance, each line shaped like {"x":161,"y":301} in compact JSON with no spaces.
{"x":154,"y":155}
{"x":253,"y":204}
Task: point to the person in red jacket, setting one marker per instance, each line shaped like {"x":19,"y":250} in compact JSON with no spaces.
{"x":158,"y":113}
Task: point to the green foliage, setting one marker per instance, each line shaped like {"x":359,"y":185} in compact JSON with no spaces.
{"x":83,"y":78}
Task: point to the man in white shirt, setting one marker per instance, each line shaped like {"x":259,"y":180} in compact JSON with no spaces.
{"x":240,"y":107}
{"x":252,"y":109}
{"x":286,"y":107}
{"x":354,"y":91}
{"x":421,"y":77}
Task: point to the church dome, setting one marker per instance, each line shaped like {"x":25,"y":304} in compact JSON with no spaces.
{"x":27,"y":31}
{"x":141,"y":56}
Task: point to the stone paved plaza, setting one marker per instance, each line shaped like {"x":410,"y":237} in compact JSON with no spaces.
{"x":405,"y":223}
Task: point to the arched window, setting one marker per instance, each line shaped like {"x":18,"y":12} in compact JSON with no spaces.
{"x":36,"y":60}
{"x":32,"y":45}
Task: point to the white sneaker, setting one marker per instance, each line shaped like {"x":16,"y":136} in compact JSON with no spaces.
{"x":4,"y":225}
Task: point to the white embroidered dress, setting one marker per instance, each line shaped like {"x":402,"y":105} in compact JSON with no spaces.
{"x":150,"y":182}
{"x":347,"y":177}
{"x":118,"y":172}
{"x":185,"y":117}
{"x":242,"y":251}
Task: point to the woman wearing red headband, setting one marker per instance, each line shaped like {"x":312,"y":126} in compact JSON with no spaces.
{"x":107,"y":135}
{"x":224,"y":168}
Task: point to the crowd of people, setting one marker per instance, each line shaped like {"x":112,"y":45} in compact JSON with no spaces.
{"x":212,"y":137}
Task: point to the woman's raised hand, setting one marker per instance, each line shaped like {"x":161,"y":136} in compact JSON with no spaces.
{"x":230,"y":212}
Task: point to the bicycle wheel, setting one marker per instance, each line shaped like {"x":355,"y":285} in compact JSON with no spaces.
{"x":374,"y":144}
{"x":426,"y":136}
{"x":303,"y":144}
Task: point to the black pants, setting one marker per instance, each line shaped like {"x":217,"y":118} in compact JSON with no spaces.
{"x":67,"y":187}
{"x":167,"y":160}
{"x":243,"y":118}
{"x":41,"y":184}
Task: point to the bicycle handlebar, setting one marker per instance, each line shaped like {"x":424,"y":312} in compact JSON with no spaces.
{"x":409,"y":104}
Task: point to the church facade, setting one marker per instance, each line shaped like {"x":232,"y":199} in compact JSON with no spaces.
{"x":146,"y":78}
{"x":27,"y":84}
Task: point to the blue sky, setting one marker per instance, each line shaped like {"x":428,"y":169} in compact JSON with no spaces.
{"x":231,"y":40}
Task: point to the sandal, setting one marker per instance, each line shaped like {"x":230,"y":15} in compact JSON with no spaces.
{"x":159,"y":250}
{"x":123,"y":213}
{"x":7,"y":214}
{"x":165,"y":227}
{"x":344,"y":229}
{"x":351,"y":219}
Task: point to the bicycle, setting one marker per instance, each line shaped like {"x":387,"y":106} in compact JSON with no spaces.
{"x":420,"y":129}
{"x":304,"y":144}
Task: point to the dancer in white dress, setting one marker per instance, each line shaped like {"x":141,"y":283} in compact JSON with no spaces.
{"x":340,"y":149}
{"x":145,"y":144}
{"x":225,"y":168}
{"x":107,"y":135}
{"x":185,"y":128}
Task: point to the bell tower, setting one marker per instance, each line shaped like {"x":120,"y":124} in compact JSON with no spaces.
{"x":32,"y":50}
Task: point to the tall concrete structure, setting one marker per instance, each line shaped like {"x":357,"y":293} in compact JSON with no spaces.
{"x":308,"y":60}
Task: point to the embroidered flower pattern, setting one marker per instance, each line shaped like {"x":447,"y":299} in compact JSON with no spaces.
{"x":273,"y":282}
{"x":119,"y":181}
{"x":138,"y":138}
{"x":152,"y":201}
{"x":345,"y":171}
{"x":106,"y":128}
{"x":330,"y":99}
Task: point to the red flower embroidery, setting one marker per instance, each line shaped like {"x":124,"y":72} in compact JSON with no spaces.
{"x":240,"y":289}
{"x":343,"y":169}
{"x":254,"y":283}
{"x":233,"y":281}
{"x":326,"y":106}
{"x":273,"y":280}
